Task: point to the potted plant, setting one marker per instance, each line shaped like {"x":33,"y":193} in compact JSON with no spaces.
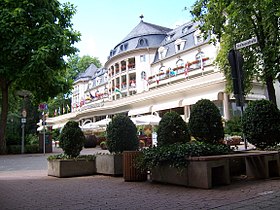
{"x":70,"y":163}
{"x":172,"y":130}
{"x":121,"y":136}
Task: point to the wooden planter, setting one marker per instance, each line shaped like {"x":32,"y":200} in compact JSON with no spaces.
{"x":130,"y":172}
{"x":109,"y":164}
{"x":71,"y":168}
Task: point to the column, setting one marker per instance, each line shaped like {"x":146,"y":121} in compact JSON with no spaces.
{"x":226,"y":106}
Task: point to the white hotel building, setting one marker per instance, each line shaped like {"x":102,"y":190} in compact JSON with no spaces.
{"x":154,"y":69}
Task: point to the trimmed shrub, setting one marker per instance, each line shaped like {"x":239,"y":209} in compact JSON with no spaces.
{"x":205,"y":122}
{"x":233,"y":126}
{"x":261,"y":123}
{"x":121,"y":135}
{"x":71,"y":139}
{"x":172,"y":129}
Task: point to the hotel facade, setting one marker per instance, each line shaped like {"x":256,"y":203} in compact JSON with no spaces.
{"x":154,"y":69}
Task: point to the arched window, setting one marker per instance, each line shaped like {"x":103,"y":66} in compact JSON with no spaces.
{"x":198,"y":37}
{"x":199,"y":57}
{"x":143,"y":75}
{"x":142,"y":42}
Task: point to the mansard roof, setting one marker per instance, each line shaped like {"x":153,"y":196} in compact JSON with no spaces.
{"x":142,"y":36}
{"x":144,"y":28}
{"x":89,"y":72}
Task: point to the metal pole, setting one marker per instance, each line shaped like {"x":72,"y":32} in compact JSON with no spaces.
{"x":22,"y":138}
{"x":240,"y":95}
{"x":44,"y":140}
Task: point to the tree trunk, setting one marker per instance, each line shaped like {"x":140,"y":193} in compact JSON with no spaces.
{"x":270,"y":89}
{"x":4,"y":114}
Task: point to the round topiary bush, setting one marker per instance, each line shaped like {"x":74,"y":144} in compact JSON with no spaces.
{"x":71,"y":139}
{"x":172,"y":129}
{"x":261,"y":123}
{"x":121,"y":135}
{"x":205,"y":122}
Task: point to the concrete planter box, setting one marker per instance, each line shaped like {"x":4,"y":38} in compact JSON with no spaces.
{"x":170,"y":175}
{"x":199,"y":173}
{"x":71,"y":168}
{"x":109,"y":164}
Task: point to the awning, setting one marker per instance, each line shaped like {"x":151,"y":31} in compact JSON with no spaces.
{"x":167,"y":105}
{"x":139,"y":111}
{"x":192,"y":100}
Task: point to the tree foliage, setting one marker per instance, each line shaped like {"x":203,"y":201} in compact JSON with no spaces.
{"x":35,"y":36}
{"x":238,"y":20}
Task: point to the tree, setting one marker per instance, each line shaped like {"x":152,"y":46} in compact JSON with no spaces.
{"x":238,"y":20}
{"x":35,"y":35}
{"x":75,"y":65}
{"x":78,"y":64}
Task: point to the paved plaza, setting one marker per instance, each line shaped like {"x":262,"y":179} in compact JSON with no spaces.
{"x":24,"y":184}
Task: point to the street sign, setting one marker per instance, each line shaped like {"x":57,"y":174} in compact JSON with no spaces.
{"x":246,"y":43}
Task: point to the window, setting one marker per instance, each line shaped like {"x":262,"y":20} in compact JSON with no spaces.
{"x":143,"y":75}
{"x":179,"y":44}
{"x":198,"y":37}
{"x":199,"y":57}
{"x":186,"y":29}
{"x":169,"y":37}
{"x":162,"y":52}
{"x":142,"y":58}
{"x":142,"y":42}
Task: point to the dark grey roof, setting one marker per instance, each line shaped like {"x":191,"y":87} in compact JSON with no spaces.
{"x":144,"y":28}
{"x":142,"y":36}
{"x":184,"y":32}
{"x":89,"y":72}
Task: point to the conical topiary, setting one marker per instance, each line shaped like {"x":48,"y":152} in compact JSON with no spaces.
{"x":261,"y":123}
{"x":71,"y":139}
{"x":121,"y":135}
{"x":205,"y":122}
{"x":172,"y":129}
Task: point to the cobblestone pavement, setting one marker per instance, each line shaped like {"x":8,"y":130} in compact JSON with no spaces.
{"x":24,"y":184}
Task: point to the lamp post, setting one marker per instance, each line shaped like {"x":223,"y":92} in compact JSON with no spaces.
{"x":23,"y":121}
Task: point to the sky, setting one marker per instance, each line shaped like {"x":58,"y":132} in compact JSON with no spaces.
{"x":105,"y":23}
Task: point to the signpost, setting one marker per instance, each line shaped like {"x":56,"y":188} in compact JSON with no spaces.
{"x":236,"y":62}
{"x":23,"y":121}
{"x":246,"y":43}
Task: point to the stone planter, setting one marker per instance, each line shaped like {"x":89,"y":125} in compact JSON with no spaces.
{"x":109,"y":164}
{"x":130,"y":172}
{"x":71,"y":168}
{"x":170,"y":175}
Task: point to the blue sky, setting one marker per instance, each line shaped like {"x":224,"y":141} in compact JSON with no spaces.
{"x":104,"y":23}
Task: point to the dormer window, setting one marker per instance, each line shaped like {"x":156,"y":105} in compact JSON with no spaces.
{"x":198,"y":37}
{"x":142,"y":42}
{"x":162,"y":52}
{"x":179,"y":44}
{"x":169,"y":37}
{"x":186,"y":29}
